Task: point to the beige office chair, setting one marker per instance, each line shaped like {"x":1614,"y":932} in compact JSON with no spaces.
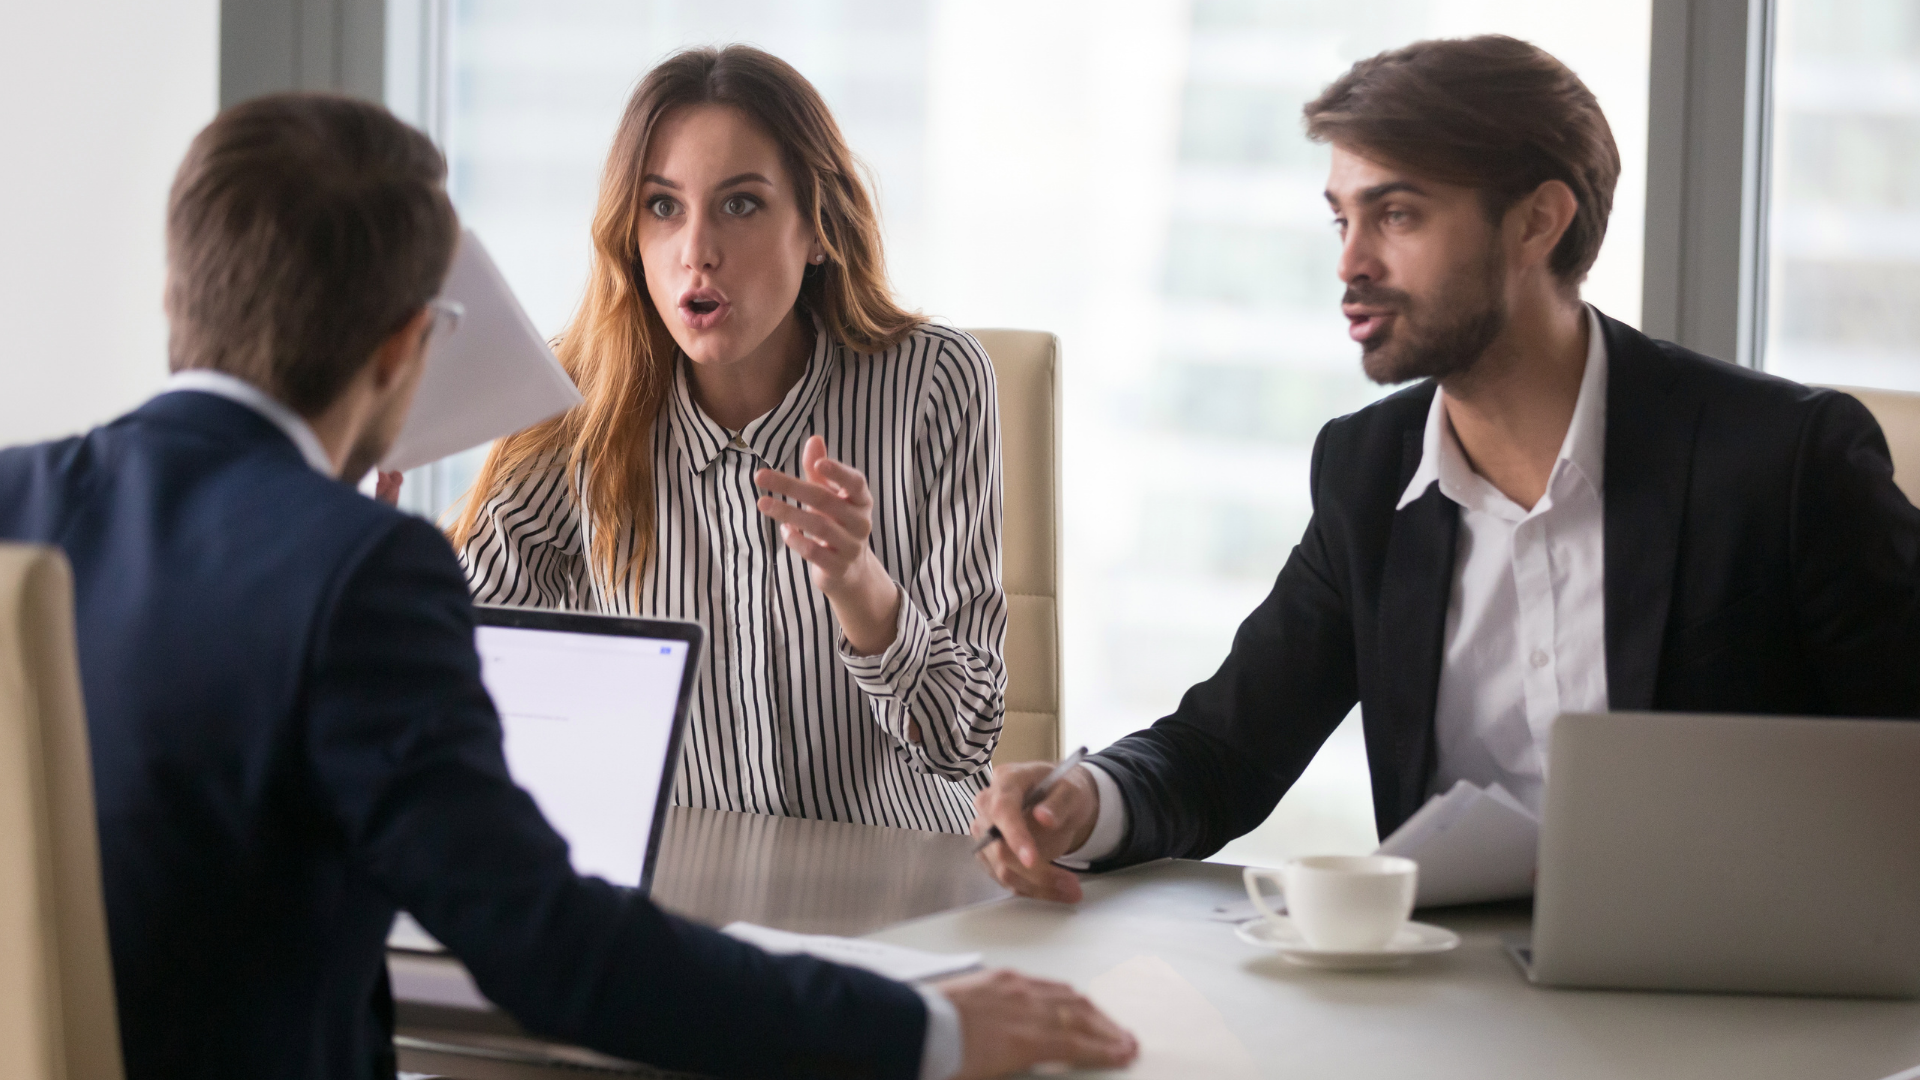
{"x":57,"y":1018}
{"x":1025,"y":368}
{"x":1899,"y":416}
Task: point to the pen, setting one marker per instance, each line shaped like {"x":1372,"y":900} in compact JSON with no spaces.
{"x":1035,"y":793}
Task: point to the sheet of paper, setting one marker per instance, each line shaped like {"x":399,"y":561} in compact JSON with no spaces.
{"x":1439,"y":813}
{"x":492,"y":376}
{"x":893,"y":961}
{"x":1472,"y":845}
{"x":1181,"y":1034}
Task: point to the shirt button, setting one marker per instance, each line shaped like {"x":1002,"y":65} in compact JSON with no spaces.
{"x":1539,"y":658}
{"x":738,"y":443}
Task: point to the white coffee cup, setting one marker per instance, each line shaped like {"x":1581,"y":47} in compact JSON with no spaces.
{"x":1341,"y":903}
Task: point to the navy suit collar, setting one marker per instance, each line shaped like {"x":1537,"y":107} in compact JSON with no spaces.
{"x":217,"y":418}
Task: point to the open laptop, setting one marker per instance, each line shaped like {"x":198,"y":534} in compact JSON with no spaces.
{"x":1729,"y":853}
{"x":593,"y":709}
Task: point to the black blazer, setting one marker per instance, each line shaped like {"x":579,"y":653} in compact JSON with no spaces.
{"x":1759,"y":559}
{"x":291,"y":740}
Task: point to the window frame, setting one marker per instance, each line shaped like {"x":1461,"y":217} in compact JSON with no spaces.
{"x":1709,"y":136}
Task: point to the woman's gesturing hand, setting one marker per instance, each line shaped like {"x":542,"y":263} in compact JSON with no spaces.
{"x":387,"y":488}
{"x":829,"y":529}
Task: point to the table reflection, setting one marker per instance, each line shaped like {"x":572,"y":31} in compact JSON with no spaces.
{"x":816,"y":877}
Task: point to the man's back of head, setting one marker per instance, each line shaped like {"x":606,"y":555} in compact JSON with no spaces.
{"x":302,"y":231}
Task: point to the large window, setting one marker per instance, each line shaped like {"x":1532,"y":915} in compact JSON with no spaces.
{"x":1843,"y":257}
{"x":1130,"y":176}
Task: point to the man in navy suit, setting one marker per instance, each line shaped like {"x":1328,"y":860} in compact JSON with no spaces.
{"x":290,"y":736}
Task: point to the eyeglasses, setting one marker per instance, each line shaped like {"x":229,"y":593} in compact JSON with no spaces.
{"x":446,"y":318}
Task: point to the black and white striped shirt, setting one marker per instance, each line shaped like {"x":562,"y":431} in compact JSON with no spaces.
{"x":786,"y":719}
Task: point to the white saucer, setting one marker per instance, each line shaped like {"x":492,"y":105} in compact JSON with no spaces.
{"x":1413,"y":939}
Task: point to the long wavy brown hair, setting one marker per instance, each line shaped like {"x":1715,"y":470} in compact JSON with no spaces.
{"x":618,"y":349}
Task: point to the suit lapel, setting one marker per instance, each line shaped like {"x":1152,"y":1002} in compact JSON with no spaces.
{"x":1650,"y":430}
{"x":1415,"y":589}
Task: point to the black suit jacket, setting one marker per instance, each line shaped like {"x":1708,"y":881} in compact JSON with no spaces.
{"x":1759,"y":559}
{"x":290,"y":741}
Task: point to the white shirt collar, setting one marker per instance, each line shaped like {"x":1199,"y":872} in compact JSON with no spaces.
{"x":241,"y":392}
{"x":1584,"y":449}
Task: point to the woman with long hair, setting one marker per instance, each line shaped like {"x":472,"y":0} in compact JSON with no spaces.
{"x":770,"y":446}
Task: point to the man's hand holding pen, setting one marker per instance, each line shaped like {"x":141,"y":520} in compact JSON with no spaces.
{"x":1035,"y":836}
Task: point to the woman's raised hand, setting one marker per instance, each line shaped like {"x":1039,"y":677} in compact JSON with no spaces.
{"x":829,"y":529}
{"x":387,"y":488}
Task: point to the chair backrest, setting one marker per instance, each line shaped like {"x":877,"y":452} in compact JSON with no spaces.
{"x":1899,"y":415}
{"x":1025,"y":368}
{"x":57,"y":1017}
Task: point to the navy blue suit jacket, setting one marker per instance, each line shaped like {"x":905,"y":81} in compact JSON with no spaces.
{"x":1759,"y":559}
{"x":291,"y":740}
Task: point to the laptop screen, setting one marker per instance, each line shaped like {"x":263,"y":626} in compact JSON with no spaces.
{"x":591,"y":709}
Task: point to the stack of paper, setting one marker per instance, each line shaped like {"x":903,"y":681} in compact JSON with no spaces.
{"x":1473,"y":844}
{"x":893,"y":961}
{"x":491,"y":377}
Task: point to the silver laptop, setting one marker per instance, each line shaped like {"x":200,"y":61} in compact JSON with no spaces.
{"x":1729,"y":853}
{"x":593,"y":709}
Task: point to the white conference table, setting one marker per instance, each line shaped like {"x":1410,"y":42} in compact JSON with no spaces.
{"x":1468,"y":1014}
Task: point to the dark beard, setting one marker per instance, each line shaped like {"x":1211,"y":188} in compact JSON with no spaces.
{"x":1465,"y":320}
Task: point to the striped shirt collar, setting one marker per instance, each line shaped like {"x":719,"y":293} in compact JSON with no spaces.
{"x":1584,"y":449}
{"x":774,"y":438}
{"x":241,"y":392}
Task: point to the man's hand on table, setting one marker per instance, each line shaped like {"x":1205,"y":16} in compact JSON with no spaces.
{"x":1023,"y":861}
{"x":1009,"y":1023}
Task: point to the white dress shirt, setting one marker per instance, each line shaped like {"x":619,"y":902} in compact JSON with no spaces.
{"x":942,"y":1048}
{"x":242,"y":392}
{"x":1526,"y":622}
{"x":1526,"y":618}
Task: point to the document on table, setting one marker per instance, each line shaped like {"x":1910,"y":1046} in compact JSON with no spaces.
{"x":1181,"y":1034}
{"x":893,"y":961}
{"x":1473,"y":844}
{"x":492,"y":376}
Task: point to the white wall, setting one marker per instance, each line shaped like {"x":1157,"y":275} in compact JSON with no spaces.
{"x":98,"y":100}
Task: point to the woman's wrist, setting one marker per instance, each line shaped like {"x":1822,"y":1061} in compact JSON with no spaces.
{"x":867,"y":603}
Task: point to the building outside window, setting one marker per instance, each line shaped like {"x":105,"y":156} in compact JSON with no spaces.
{"x":1843,"y":260}
{"x":1128,"y":174}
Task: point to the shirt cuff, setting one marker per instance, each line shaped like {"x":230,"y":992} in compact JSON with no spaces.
{"x":1109,"y":826}
{"x":941,"y":1054}
{"x":892,"y":672}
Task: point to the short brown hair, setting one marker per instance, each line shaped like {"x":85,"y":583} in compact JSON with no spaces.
{"x":1490,"y":112}
{"x":302,"y":230}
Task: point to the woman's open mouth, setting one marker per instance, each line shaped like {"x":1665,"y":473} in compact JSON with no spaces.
{"x":703,"y":309}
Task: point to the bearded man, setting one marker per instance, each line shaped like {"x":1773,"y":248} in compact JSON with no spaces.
{"x":1561,"y":515}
